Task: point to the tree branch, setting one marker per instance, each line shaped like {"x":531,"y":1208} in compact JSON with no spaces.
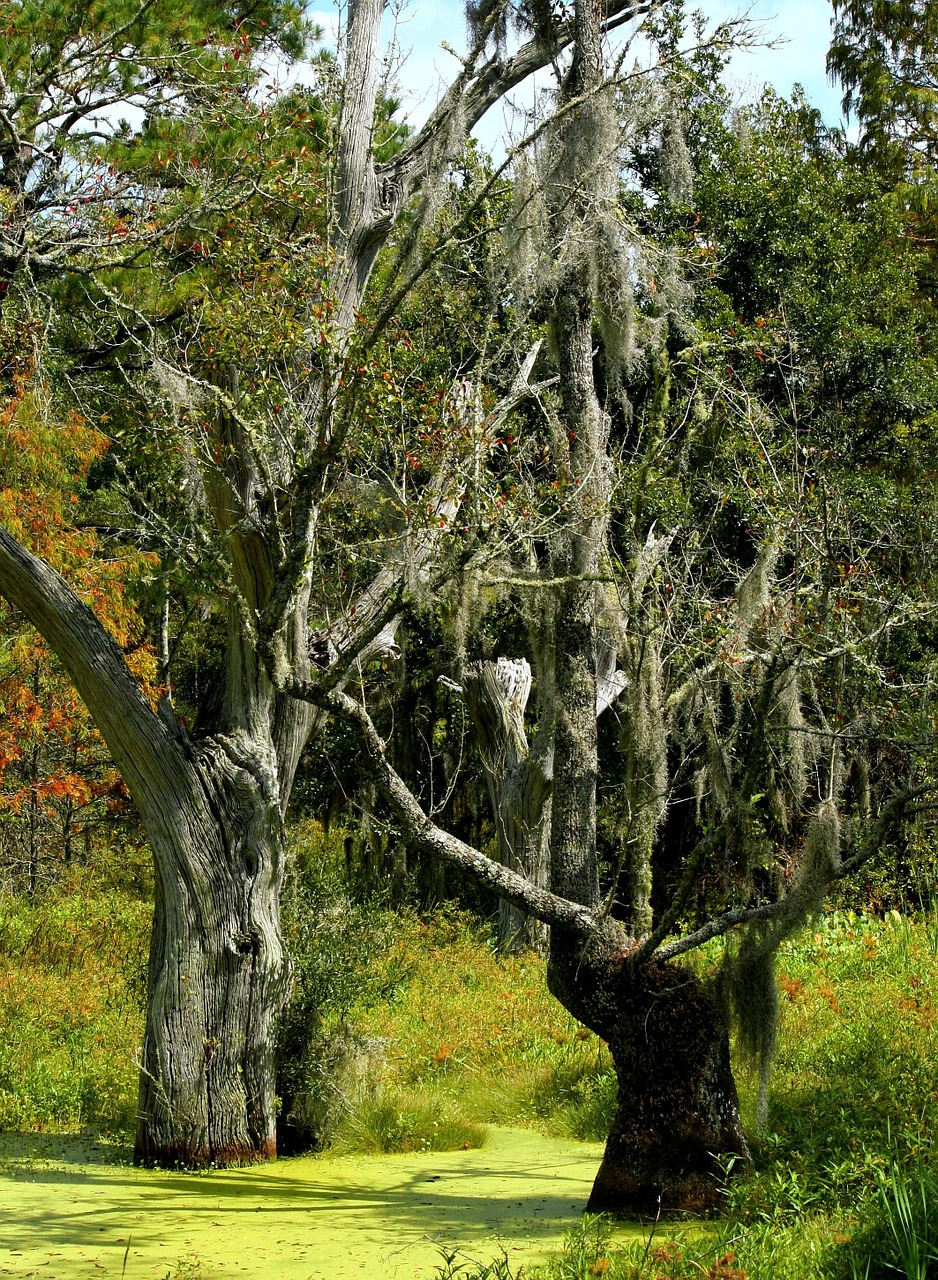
{"x":889,"y":814}
{"x":426,"y":836}
{"x":479,"y":87}
{"x":140,"y":742}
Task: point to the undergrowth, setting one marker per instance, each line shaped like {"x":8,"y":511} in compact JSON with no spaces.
{"x":72,"y":987}
{"x":433,"y":1036}
{"x":471,"y":1033}
{"x":408,"y":1032}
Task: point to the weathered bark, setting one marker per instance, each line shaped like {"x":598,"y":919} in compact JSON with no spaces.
{"x":677,"y":1117}
{"x":218,"y":973}
{"x":677,"y":1114}
{"x":518,"y":781}
{"x":579,"y":543}
{"x":217,"y":969}
{"x":668,"y":1043}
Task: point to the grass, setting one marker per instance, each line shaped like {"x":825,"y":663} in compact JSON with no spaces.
{"x":856,"y":1086}
{"x":453,"y":1037}
{"x":845,"y":1179}
{"x":71,"y":999}
{"x":590,"y":1250}
{"x":436,"y":1036}
{"x":376,"y":1123}
{"x":466,"y":1038}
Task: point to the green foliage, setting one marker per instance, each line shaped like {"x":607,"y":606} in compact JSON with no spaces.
{"x":785,"y":411}
{"x":379,"y":1122}
{"x":885,"y":57}
{"x":591,"y":1249}
{"x":68,"y":67}
{"x":339,"y":950}
{"x":810,"y":284}
{"x":72,"y":985}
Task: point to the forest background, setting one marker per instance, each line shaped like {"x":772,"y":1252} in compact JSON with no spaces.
{"x":772,"y":400}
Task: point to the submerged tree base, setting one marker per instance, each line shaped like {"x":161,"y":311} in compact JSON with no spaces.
{"x":677,"y":1118}
{"x":234,"y":1155}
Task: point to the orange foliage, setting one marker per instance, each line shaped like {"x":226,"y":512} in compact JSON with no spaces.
{"x":827,"y":992}
{"x":791,"y":988}
{"x":54,"y":772}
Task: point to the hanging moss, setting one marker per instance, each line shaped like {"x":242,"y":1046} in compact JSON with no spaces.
{"x":487,"y":20}
{"x":747,"y":989}
{"x":791,"y":720}
{"x":647,"y":776}
{"x":745,"y":981}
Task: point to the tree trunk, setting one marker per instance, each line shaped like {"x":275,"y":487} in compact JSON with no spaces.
{"x":218,"y":974}
{"x":677,"y":1101}
{"x":677,"y":1114}
{"x":213,"y":815}
{"x":518,"y":782}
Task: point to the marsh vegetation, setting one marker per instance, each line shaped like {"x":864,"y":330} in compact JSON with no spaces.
{"x":396,"y":539}
{"x":436,"y":1038}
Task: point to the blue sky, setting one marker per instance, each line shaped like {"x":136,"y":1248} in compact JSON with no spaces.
{"x":796,"y":35}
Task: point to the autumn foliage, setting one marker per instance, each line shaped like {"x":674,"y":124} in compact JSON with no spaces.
{"x":57,"y":784}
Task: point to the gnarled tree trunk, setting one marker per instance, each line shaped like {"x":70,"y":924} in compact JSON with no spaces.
{"x":213,"y":813}
{"x":218,"y":974}
{"x":677,"y":1114}
{"x":677,"y":1101}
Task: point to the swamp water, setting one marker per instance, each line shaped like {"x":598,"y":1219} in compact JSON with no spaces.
{"x":66,"y":1213}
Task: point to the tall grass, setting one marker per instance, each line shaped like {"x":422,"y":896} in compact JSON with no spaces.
{"x":408,"y":1032}
{"x":481,"y":1033}
{"x":908,"y":1207}
{"x":72,"y":981}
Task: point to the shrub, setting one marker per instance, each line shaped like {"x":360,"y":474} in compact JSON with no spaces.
{"x":338,"y":947}
{"x":71,"y":1006}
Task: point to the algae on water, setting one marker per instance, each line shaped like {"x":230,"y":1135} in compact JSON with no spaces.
{"x":308,"y":1218}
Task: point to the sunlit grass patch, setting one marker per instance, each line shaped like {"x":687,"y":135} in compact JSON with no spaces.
{"x":856,"y":1081}
{"x":395,"y":1122}
{"x":854,"y":1103}
{"x":71,"y":991}
{"x":485,"y":1029}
